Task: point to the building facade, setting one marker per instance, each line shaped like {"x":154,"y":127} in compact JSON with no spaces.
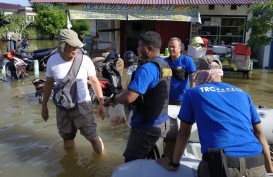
{"x":117,"y":23}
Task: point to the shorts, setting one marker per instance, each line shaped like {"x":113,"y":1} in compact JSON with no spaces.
{"x":142,"y":141}
{"x":80,"y":118}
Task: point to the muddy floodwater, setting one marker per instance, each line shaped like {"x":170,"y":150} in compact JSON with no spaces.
{"x":31,"y":147}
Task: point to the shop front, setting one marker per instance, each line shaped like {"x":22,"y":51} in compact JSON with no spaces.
{"x":118,"y":26}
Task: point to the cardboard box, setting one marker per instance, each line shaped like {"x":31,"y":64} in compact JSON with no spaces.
{"x":238,"y":57}
{"x":244,"y":65}
{"x":196,"y":52}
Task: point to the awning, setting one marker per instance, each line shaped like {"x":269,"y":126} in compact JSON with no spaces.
{"x":134,"y":12}
{"x":152,"y":2}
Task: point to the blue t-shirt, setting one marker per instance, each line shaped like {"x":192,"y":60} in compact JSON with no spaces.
{"x":225,"y":116}
{"x":145,"y":78}
{"x":179,"y":87}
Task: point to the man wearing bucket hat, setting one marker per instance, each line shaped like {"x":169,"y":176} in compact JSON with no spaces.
{"x":80,"y":118}
{"x":229,"y":128}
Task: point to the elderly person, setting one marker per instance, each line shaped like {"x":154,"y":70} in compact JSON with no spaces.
{"x":80,"y":118}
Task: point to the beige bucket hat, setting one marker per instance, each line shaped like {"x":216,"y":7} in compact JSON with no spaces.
{"x":70,"y":37}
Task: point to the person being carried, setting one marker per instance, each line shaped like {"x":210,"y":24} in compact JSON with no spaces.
{"x":81,"y":117}
{"x":148,"y":91}
{"x":183,"y":68}
{"x":229,"y":128}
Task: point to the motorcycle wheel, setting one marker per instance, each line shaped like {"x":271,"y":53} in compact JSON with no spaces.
{"x":22,"y":72}
{"x":40,"y":99}
{"x":8,"y":71}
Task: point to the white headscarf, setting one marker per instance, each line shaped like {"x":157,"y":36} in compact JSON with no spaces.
{"x":205,"y":76}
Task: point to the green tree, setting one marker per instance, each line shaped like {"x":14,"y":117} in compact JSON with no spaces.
{"x":260,"y":24}
{"x":81,"y":27}
{"x":50,"y":20}
{"x":41,"y":6}
{"x":15,"y":23}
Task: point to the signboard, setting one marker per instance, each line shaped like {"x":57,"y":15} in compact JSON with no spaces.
{"x":134,"y":12}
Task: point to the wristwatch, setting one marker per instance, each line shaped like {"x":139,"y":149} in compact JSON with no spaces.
{"x":175,"y":165}
{"x":113,"y":97}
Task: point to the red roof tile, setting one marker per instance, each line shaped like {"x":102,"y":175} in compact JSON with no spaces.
{"x":9,"y":6}
{"x":152,"y":2}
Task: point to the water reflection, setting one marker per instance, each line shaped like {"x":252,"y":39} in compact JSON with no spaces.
{"x":41,"y":44}
{"x":33,"y":45}
{"x":259,"y":85}
{"x":32,"y":147}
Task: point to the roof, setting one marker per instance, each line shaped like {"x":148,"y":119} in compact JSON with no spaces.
{"x":153,"y":2}
{"x":9,"y":6}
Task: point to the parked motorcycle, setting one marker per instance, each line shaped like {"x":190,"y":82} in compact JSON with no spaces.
{"x":15,"y":68}
{"x":41,"y":55}
{"x":111,"y":78}
{"x":39,"y":87}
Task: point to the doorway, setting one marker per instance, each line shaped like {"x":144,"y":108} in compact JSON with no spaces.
{"x":134,"y":29}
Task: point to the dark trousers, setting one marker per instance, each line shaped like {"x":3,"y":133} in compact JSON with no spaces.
{"x":146,"y":143}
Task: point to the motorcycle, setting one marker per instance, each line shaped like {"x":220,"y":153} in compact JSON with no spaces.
{"x":39,"y":87}
{"x":41,"y":55}
{"x":15,"y":68}
{"x":111,"y":78}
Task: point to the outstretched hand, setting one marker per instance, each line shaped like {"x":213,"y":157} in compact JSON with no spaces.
{"x":164,"y":162}
{"x":109,"y":102}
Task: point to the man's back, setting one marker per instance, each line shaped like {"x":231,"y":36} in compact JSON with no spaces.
{"x":224,"y":115}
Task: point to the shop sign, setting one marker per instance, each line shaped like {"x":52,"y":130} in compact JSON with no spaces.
{"x":134,"y":12}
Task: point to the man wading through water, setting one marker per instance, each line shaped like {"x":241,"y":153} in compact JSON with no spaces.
{"x":80,"y":117}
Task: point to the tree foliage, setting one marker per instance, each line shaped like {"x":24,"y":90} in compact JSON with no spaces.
{"x":260,"y":24}
{"x":15,"y":23}
{"x":41,"y":6}
{"x":81,"y":27}
{"x":50,"y":20}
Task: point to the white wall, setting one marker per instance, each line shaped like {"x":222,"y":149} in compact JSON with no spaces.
{"x":223,"y":10}
{"x":262,"y":54}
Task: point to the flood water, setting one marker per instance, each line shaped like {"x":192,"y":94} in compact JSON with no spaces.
{"x":31,"y":147}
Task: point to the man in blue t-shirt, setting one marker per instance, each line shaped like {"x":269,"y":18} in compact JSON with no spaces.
{"x":148,"y":91}
{"x":183,"y":68}
{"x":229,"y":128}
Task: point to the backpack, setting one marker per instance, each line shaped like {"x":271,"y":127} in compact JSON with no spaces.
{"x":65,"y":93}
